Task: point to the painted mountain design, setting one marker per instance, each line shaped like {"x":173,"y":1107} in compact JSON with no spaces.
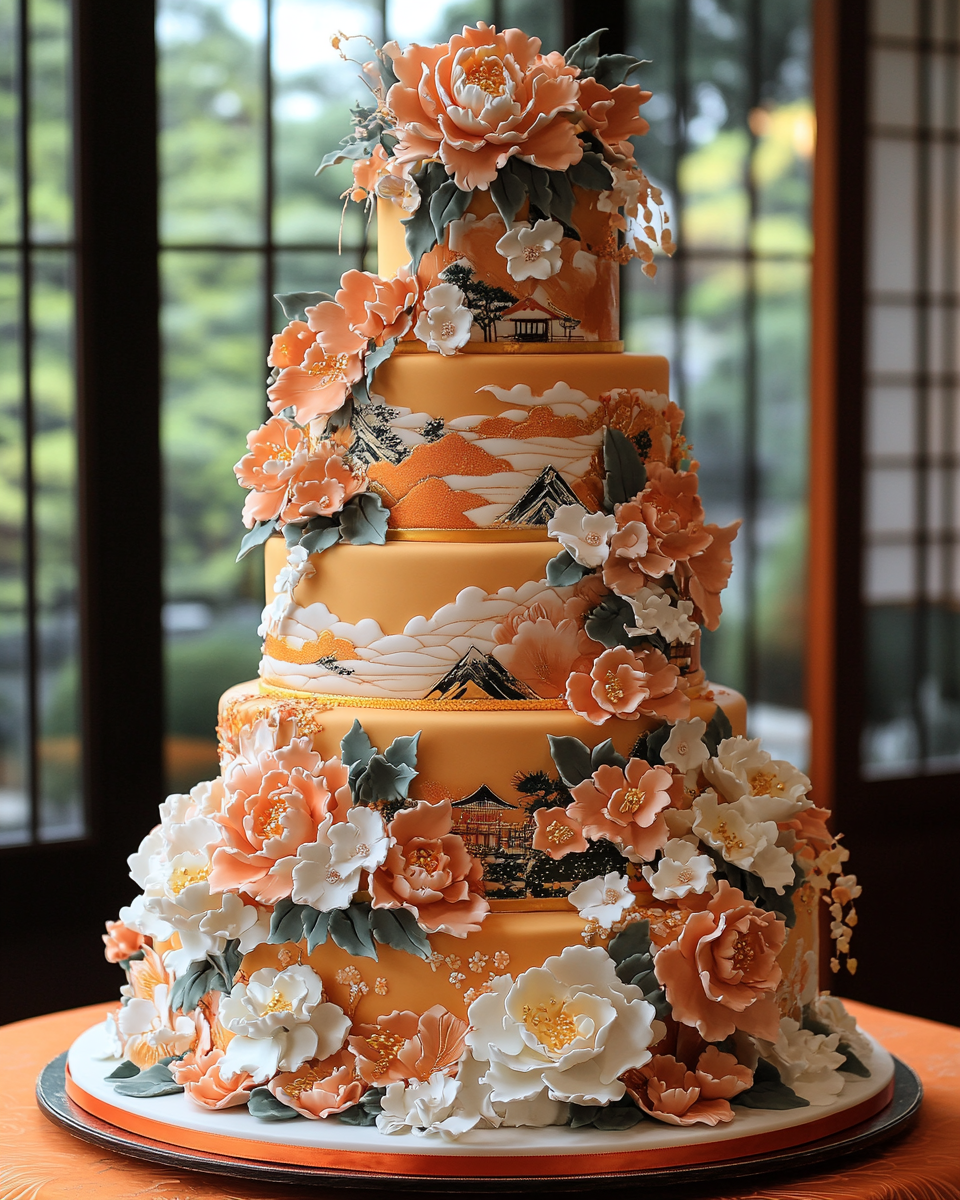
{"x":548,"y":492}
{"x":451,"y":455}
{"x":478,"y":676}
{"x":373,"y":439}
{"x":432,"y":504}
{"x":483,"y":797}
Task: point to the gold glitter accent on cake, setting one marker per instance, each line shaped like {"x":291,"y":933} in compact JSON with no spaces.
{"x":325,"y":646}
{"x":380,"y":986}
{"x":632,"y":799}
{"x":481,"y":704}
{"x":558,"y":833}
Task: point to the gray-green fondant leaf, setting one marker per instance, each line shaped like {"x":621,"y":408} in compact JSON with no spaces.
{"x":382,"y":780}
{"x":564,"y":570}
{"x":448,"y":203}
{"x":355,"y":745}
{"x":508,"y":193}
{"x":625,"y":475}
{"x":606,"y":755}
{"x":286,"y":923}
{"x":316,"y":927}
{"x":315,"y":541}
{"x":402,"y":751}
{"x":366,"y":1112}
{"x":349,"y":153}
{"x":256,"y":536}
{"x":621,"y":1114}
{"x":591,"y":172}
{"x":350,"y":929}
{"x":363,"y":522}
{"x":295,"y":304}
{"x":378,"y":355}
{"x":264,"y":1105}
{"x":126,"y":1070}
{"x":717,"y":731}
{"x":154,"y":1081}
{"x":571,"y":758}
{"x":398,"y":928}
{"x":609,"y":621}
{"x":769,"y":1090}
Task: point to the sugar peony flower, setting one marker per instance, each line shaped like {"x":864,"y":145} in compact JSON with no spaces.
{"x":399,"y":190}
{"x":624,"y":805}
{"x":147,"y":1027}
{"x":279,"y":1020}
{"x":721,"y":973}
{"x":290,"y":345}
{"x":120,"y":942}
{"x":570,"y":1027}
{"x":480,"y":99}
{"x":273,"y":805}
{"x":710,"y":571}
{"x":604,"y":900}
{"x":402,"y":1045}
{"x":326,"y":873}
{"x":319,"y":1089}
{"x":205,"y":921}
{"x":629,"y":685}
{"x":655,"y":612}
{"x":426,"y":1106}
{"x":743,"y":837}
{"x":584,"y":535}
{"x":429,"y":871}
{"x":378,"y":308}
{"x":742,"y":768}
{"x":829,"y":1011}
{"x":322,"y":484}
{"x":532,"y":252}
{"x":542,"y":654}
{"x":809,"y":1063}
{"x":319,"y":384}
{"x":613,"y":114}
{"x":200,"y":1078}
{"x":558,"y":833}
{"x":681,"y":871}
{"x":445,"y":323}
{"x":624,"y":194}
{"x":278,"y":450}
{"x":685,"y":748}
{"x":667,"y":1091}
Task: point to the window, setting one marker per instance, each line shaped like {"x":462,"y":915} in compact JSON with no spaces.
{"x":40,"y":791}
{"x":731,"y":142}
{"x":911,"y":567}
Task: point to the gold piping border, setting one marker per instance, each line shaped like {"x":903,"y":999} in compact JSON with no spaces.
{"x":416,"y":347}
{"x":488,"y":705}
{"x":469,"y":535}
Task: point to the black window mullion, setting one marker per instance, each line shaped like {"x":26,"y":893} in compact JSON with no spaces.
{"x":269,"y":191}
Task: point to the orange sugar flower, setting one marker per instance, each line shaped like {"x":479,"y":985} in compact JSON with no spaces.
{"x":402,"y":1045}
{"x":322,"y":486}
{"x":277,"y":451}
{"x":668,"y":1091}
{"x":558,"y":832}
{"x":120,"y":942}
{"x":320,"y":1089}
{"x":629,"y":685}
{"x":290,"y":345}
{"x":624,"y":806}
{"x":710,"y":571}
{"x":542,"y":653}
{"x":378,"y":308}
{"x":614,"y":116}
{"x":199,"y":1076}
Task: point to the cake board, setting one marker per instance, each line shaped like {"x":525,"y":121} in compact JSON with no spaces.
{"x":904,"y":1089}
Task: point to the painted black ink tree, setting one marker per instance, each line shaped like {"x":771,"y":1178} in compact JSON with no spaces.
{"x":485,"y":301}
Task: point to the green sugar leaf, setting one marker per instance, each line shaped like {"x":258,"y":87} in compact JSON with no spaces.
{"x":264,"y":1105}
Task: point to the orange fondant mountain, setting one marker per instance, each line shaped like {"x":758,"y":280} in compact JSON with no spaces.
{"x":541,"y":422}
{"x":451,"y":455}
{"x":434,"y":505}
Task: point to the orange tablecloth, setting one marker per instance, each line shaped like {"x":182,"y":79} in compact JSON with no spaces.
{"x":41,"y":1162}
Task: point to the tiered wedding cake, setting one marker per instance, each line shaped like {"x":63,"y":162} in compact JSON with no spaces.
{"x":487,"y":852}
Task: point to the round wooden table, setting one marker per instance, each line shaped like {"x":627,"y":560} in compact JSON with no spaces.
{"x":38,"y":1161}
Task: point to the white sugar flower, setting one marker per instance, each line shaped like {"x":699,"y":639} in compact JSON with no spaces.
{"x":147,"y":1027}
{"x":682,"y":871}
{"x":656,"y":613}
{"x":685,"y":748}
{"x":326,"y":873}
{"x":279,"y":1020}
{"x":808,"y":1062}
{"x":532,"y":252}
{"x":426,"y":1106}
{"x":745,"y":836}
{"x":584,"y":535}
{"x":741,"y":768}
{"x":829,"y":1011}
{"x":603,"y":899}
{"x":570,"y":1027}
{"x":206,"y":921}
{"x":444,"y":325}
{"x":403,"y":192}
{"x":298,"y":567}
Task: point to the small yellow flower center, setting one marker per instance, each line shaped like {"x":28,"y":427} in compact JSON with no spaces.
{"x":333,"y":876}
{"x":302,"y":1083}
{"x":332,"y":368}
{"x":764,"y":783}
{"x":447,"y":329}
{"x":613,"y":688}
{"x":632,"y":799}
{"x":277,"y":1003}
{"x":685,"y":876}
{"x":270,"y":824}
{"x":425,"y":859}
{"x":611,"y":896}
{"x":184,"y":876}
{"x":592,"y":539}
{"x":558,"y":833}
{"x":728,"y":837}
{"x":531,"y":254}
{"x":550,"y":1024}
{"x":385,"y":1045}
{"x":487,"y":74}
{"x":283,"y":454}
{"x":742,"y":953}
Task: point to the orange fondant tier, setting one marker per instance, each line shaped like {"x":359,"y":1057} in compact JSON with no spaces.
{"x":509,"y":942}
{"x":499,"y":442}
{"x":578,"y":301}
{"x":459,"y":751}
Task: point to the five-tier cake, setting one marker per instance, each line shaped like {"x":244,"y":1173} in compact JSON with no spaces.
{"x":492,"y":874}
